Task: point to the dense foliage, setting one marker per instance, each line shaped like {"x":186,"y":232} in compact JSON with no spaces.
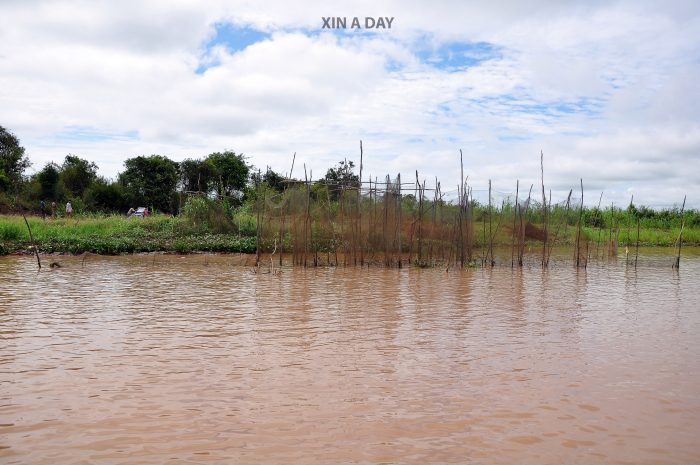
{"x":13,"y":162}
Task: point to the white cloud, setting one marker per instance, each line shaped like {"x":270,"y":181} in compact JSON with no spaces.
{"x":606,"y":90}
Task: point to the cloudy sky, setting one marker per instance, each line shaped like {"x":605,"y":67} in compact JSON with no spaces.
{"x":607,"y":90}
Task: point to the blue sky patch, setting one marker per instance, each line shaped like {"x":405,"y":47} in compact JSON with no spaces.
{"x":455,"y":56}
{"x":91,"y":134}
{"x":233,"y":37}
{"x":589,"y":107}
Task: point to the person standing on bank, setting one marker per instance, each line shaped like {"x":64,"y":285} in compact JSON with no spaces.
{"x":53,"y":210}
{"x":69,"y":210}
{"x":42,"y":207}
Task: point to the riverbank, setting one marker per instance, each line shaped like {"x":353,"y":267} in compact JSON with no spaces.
{"x":114,"y":235}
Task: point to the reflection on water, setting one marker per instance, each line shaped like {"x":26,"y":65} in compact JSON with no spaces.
{"x":128,"y":360}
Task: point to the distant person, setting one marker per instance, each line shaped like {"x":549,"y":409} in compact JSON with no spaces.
{"x":130,"y":212}
{"x":53,"y":210}
{"x":69,"y":210}
{"x":42,"y":207}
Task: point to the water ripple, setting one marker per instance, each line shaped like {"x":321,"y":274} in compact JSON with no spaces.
{"x":184,"y":360}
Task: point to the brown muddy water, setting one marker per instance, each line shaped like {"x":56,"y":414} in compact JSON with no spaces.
{"x":183,"y":360}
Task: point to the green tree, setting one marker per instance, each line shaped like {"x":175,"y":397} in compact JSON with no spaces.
{"x":48,"y":179}
{"x":77,"y":174}
{"x":340,"y":178}
{"x":4,"y":181}
{"x":150,"y":181}
{"x":230,"y":172}
{"x":106,"y":196}
{"x":13,"y":162}
{"x":196,"y":175}
{"x":274,"y":180}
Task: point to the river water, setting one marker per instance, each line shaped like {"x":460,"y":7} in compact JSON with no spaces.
{"x":154,"y":359}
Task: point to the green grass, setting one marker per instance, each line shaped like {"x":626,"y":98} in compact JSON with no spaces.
{"x":114,"y":235}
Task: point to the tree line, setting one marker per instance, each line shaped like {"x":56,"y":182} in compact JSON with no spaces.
{"x":153,"y":181}
{"x":161,"y":184}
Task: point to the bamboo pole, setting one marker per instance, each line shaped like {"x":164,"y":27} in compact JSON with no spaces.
{"x":31,"y":239}
{"x":563,"y":219}
{"x":516,"y":207}
{"x":420,"y":220}
{"x":600,"y":228}
{"x":386,"y":223}
{"x":306,"y":217}
{"x":636,"y":253}
{"x":490,"y":249}
{"x":434,"y":221}
{"x":627,"y":242}
{"x":523,"y":213}
{"x":495,"y":232}
{"x":330,"y":221}
{"x":258,"y":231}
{"x":578,"y":230}
{"x":544,"y":211}
{"x":359,"y":211}
{"x":398,"y":232}
{"x":469,"y":207}
{"x":462,"y":209}
{"x":483,"y":237}
{"x":677,"y":262}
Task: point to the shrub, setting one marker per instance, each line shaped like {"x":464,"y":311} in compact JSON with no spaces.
{"x":206,"y":215}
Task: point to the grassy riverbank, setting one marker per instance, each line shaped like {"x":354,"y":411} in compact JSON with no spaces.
{"x":112,"y":235}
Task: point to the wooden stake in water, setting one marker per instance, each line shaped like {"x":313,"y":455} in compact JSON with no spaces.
{"x":398,"y":227}
{"x":578,"y":229}
{"x":515,"y":211}
{"x":359,"y":213}
{"x":462,"y":209}
{"x":677,"y":263}
{"x":544,"y":212}
{"x":636,"y":253}
{"x":564,"y":218}
{"x":490,"y":249}
{"x":258,"y":225}
{"x":36,"y":251}
{"x":599,"y":226}
{"x":484,"y":244}
{"x":521,"y":235}
{"x":629,"y":222}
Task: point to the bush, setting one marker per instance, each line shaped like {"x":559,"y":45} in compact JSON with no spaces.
{"x":594,"y":218}
{"x":105,"y":197}
{"x":245,"y":221}
{"x":202,"y":214}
